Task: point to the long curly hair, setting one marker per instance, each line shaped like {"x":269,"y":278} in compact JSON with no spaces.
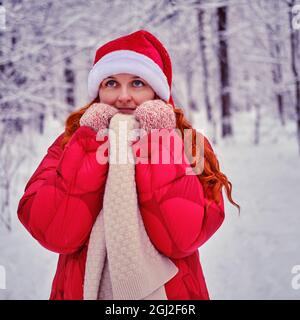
{"x":211,"y":177}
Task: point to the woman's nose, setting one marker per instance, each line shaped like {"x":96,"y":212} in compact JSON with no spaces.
{"x":125,"y":95}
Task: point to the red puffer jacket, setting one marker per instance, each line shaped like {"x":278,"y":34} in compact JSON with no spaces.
{"x":65,"y":194}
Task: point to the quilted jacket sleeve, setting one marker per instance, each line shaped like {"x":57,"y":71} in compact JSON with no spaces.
{"x":172,"y":203}
{"x":65,"y":194}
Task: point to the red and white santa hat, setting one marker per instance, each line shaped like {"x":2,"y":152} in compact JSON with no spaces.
{"x":139,"y":53}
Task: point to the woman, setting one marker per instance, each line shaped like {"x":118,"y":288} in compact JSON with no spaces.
{"x":130,"y":230}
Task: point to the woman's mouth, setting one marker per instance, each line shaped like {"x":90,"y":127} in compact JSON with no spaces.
{"x":126,"y":110}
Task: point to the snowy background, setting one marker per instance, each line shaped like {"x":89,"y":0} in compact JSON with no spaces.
{"x":46,"y":50}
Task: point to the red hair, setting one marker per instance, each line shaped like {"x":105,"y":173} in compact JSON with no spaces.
{"x":211,"y":177}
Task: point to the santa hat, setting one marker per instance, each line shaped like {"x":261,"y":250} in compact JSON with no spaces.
{"x":139,"y":53}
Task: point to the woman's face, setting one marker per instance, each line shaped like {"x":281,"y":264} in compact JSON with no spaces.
{"x":125,"y":91}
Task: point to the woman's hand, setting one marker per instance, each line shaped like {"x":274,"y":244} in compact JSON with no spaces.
{"x":155,"y":114}
{"x":98,"y":116}
{"x":152,"y":116}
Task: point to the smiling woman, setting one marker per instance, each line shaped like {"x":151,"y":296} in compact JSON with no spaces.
{"x":125,"y":92}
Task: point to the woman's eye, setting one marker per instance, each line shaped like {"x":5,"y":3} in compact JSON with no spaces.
{"x":140,"y":82}
{"x":108,"y":82}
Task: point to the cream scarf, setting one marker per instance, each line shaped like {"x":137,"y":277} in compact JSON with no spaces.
{"x":121,"y":257}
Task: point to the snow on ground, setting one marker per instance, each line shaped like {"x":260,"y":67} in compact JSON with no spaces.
{"x":250,"y":257}
{"x":29,"y":267}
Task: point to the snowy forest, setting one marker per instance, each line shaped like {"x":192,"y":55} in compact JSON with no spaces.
{"x":236,"y":75}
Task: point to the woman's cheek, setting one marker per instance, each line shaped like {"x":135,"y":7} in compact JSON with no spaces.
{"x":107,"y":98}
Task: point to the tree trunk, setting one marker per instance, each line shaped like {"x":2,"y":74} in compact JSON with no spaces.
{"x":293,"y":41}
{"x":275,"y":52}
{"x":70,"y":83}
{"x":224,"y":72}
{"x":202,"y":44}
{"x":257,"y":123}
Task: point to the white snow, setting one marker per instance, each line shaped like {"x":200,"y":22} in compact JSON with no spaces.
{"x":252,"y":255}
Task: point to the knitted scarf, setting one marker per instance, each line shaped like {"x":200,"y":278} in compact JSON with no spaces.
{"x":121,"y":257}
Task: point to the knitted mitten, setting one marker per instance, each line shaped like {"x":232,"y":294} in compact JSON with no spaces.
{"x":155,"y":114}
{"x":152,"y":115}
{"x":98,"y":116}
